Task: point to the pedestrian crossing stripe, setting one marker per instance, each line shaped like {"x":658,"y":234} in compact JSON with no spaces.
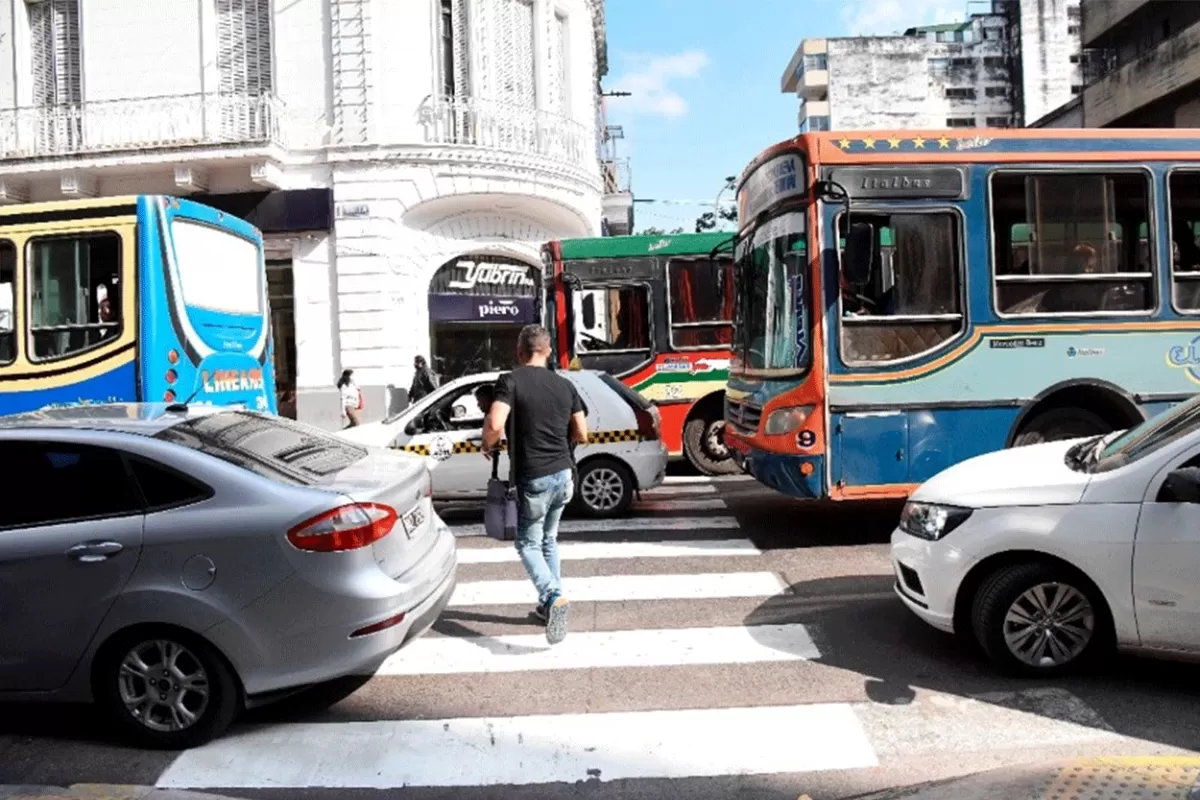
{"x":459,"y":448}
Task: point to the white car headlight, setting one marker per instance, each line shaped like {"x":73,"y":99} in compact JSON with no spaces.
{"x":786,"y":420}
{"x":931,"y":521}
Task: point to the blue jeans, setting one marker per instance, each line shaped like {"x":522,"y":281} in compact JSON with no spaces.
{"x":540,"y":504}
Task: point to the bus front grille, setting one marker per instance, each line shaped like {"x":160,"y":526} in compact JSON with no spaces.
{"x":743,"y":417}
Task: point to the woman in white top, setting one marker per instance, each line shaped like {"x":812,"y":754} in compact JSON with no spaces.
{"x":352,"y":400}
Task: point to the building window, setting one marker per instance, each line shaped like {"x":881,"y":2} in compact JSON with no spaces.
{"x":8,"y":302}
{"x":702,"y":303}
{"x":913,"y":303}
{"x":994,"y":62}
{"x":961,"y":63}
{"x":74,"y":294}
{"x":455,"y":59}
{"x":960,"y":94}
{"x":997,"y":122}
{"x":1075,"y":58}
{"x":1073,"y":12}
{"x":816,"y":61}
{"x":1071,"y":243}
{"x":1072,"y":30}
{"x":515,"y":70}
{"x":1184,"y":199}
{"x":244,"y":67}
{"x":939,"y":66}
{"x":1076,"y":89}
{"x":812,"y":124}
{"x":54,"y":40}
{"x":996,"y":91}
{"x":960,"y":122}
{"x":560,"y":50}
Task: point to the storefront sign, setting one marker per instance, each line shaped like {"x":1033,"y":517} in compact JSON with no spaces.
{"x":776,"y":180}
{"x":481,"y":308}
{"x":472,"y":274}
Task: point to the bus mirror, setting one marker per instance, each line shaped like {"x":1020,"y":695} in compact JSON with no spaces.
{"x":589,"y":311}
{"x":858,"y":257}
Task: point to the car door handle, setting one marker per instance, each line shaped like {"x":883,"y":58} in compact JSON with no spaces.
{"x":92,"y":552}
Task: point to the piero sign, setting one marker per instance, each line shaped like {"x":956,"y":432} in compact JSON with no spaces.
{"x":780,"y":178}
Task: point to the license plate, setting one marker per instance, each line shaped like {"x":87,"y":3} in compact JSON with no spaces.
{"x":412,"y":521}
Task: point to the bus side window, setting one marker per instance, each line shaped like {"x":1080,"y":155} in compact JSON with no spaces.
{"x":8,"y":302}
{"x":913,"y":302}
{"x":75,"y":288}
{"x":702,"y":302}
{"x":1184,"y":190}
{"x":1071,"y":243}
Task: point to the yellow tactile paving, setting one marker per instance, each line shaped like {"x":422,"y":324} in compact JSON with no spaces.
{"x":1120,"y":778}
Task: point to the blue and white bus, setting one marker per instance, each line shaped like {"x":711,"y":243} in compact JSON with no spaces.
{"x":119,"y":299}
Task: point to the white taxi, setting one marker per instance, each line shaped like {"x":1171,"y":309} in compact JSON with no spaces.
{"x":624,"y":453}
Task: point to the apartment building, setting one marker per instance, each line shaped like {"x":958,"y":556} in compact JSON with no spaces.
{"x":1145,"y":67}
{"x":405,"y":160}
{"x":1011,"y":60}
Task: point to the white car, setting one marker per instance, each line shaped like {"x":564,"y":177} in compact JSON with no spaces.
{"x":624,"y":453}
{"x":1053,"y":554}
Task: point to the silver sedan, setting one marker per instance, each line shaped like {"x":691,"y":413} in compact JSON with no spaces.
{"x":177,"y":565}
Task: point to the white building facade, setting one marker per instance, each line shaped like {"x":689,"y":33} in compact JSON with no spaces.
{"x":406,"y":159}
{"x":1002,"y":68}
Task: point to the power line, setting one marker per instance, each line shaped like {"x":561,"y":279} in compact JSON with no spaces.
{"x":681,"y":202}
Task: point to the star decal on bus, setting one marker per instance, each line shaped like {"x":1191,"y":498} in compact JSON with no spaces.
{"x":918,"y":143}
{"x":894,"y":142}
{"x":869,"y":143}
{"x":943,"y":143}
{"x":844,"y":143}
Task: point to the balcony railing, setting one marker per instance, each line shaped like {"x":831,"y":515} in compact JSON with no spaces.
{"x":618,"y":176}
{"x":494,"y":125}
{"x":105,"y":126}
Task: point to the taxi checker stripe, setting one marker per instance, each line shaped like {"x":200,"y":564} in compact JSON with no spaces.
{"x":597,"y":437}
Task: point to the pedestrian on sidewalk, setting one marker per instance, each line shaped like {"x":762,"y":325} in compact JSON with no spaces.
{"x":423,"y":382}
{"x":541,"y":415}
{"x":352,"y":398}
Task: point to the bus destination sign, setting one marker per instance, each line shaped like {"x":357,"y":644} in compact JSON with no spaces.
{"x":781,"y":178}
{"x":877,"y":183}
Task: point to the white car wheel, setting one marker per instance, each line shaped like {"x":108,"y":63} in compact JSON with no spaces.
{"x":605,"y":488}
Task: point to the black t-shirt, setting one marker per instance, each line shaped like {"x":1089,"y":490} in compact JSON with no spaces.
{"x":542,"y":412}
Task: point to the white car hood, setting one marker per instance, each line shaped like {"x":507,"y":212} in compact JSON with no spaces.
{"x":1032,"y":475}
{"x":375,"y":434}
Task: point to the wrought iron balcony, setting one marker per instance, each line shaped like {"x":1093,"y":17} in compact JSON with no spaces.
{"x":105,"y":126}
{"x":493,"y":125}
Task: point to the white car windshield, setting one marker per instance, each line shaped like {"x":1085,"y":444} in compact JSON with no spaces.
{"x":1154,"y":433}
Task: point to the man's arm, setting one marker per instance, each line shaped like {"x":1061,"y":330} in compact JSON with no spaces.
{"x":497,"y":416}
{"x":579,"y":431}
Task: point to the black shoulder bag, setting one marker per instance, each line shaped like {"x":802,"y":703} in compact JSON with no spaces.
{"x":500,"y":513}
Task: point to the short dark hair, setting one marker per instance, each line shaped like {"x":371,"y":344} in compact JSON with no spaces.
{"x":533,"y":339}
{"x":486,"y":390}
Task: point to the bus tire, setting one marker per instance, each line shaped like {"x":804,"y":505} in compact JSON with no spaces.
{"x":699,"y":433}
{"x":1057,"y":424}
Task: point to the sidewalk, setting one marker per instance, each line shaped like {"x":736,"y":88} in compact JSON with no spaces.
{"x":100,"y":791}
{"x":1114,"y":778}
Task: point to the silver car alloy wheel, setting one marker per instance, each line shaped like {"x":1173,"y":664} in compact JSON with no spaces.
{"x":602,"y":489}
{"x":1049,"y":625}
{"x":163,"y":685}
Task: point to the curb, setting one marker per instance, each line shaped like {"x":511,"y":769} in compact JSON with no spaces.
{"x":1104,"y":778}
{"x":100,"y":791}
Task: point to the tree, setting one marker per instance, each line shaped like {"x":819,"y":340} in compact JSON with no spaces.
{"x":708,"y":220}
{"x":659,"y":232}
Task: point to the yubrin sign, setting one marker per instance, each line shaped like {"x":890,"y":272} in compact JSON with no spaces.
{"x":490,"y":274}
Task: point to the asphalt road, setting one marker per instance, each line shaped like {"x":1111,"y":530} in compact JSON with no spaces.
{"x":725,"y":642}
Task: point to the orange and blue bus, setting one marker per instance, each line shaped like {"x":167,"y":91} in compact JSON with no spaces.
{"x":911,"y":299}
{"x":123,"y":299}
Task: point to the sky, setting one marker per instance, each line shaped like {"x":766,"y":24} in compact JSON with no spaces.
{"x":705,"y":78}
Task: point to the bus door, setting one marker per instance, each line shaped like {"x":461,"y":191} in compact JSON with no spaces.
{"x":68,"y":301}
{"x":207,"y":334}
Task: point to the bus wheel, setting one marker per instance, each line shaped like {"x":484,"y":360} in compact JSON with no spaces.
{"x":704,"y":446}
{"x":1057,"y":424}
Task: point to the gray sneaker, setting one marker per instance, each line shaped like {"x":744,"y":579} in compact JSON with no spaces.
{"x":556,"y":622}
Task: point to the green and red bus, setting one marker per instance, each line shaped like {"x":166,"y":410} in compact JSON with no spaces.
{"x":656,"y":312}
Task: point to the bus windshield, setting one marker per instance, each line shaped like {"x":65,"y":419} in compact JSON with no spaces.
{"x":773,"y":317}
{"x":219,"y":270}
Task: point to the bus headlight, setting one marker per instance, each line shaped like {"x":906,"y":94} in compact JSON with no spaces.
{"x":931,"y":521}
{"x":786,"y":420}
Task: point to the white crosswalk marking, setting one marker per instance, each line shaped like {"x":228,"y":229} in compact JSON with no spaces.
{"x":619,"y":588}
{"x":437,"y":720}
{"x":580,"y":551}
{"x":644,"y":648}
